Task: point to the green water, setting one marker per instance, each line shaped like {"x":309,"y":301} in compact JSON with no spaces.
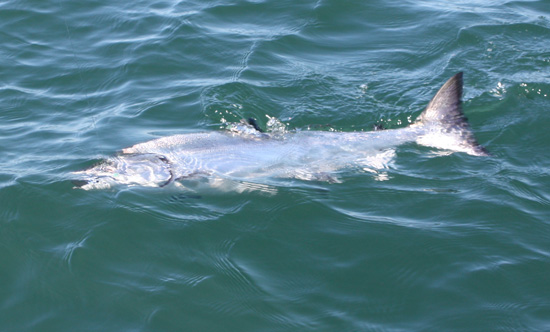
{"x":440,"y":243}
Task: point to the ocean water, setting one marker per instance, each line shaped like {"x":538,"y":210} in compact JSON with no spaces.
{"x":440,"y":243}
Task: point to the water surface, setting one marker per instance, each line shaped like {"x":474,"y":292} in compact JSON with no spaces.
{"x":444,"y":243}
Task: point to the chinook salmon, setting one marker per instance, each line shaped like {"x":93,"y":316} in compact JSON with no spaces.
{"x":248,"y":154}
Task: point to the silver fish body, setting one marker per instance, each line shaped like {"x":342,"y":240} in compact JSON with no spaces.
{"x":250,"y":155}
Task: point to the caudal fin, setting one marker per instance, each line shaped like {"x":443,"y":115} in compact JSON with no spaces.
{"x":445,"y":124}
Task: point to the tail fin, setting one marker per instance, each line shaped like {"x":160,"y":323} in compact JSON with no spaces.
{"x":446,"y":126}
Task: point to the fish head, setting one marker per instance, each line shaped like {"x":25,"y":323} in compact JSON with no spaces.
{"x":147,"y":170}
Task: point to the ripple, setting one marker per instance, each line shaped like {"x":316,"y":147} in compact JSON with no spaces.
{"x":445,"y":243}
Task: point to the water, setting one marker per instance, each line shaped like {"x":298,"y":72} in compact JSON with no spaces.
{"x":441,"y":243}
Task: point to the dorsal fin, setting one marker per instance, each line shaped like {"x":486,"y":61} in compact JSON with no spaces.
{"x":444,"y":114}
{"x":254,"y":123}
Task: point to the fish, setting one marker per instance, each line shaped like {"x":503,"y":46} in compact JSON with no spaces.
{"x":247,"y":154}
